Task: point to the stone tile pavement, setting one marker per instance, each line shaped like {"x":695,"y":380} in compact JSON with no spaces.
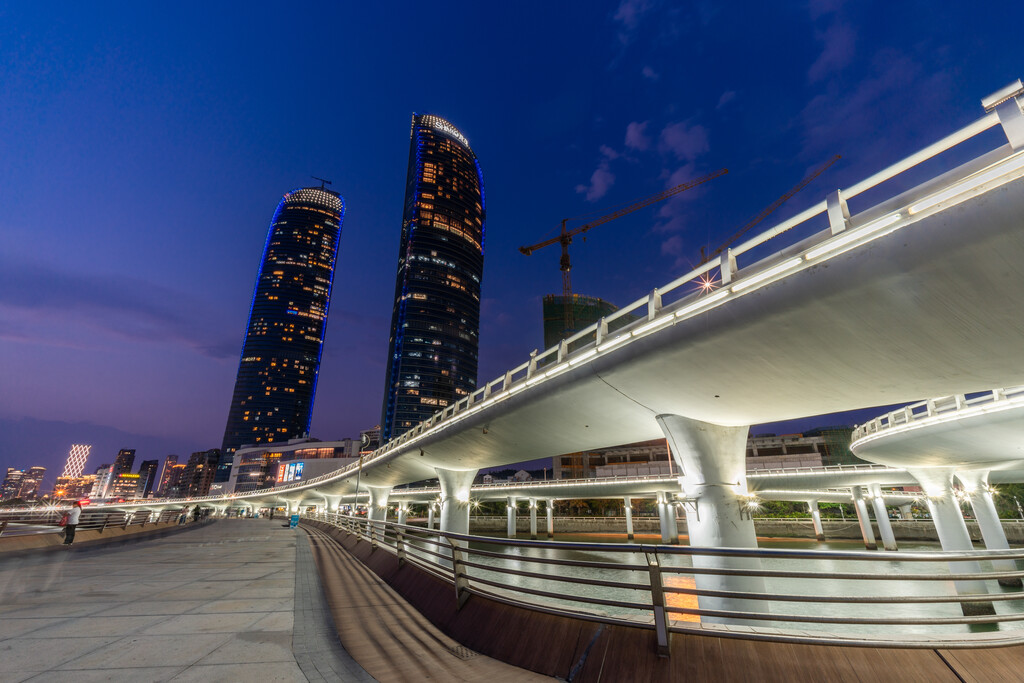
{"x":229,"y":601}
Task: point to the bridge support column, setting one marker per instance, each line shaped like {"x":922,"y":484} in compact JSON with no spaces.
{"x":627,"y":504}
{"x":819,"y":531}
{"x":863,"y":518}
{"x":533,"y":519}
{"x":550,"y":509}
{"x":430,"y":515}
{"x":882,"y":517}
{"x":976,"y":484}
{"x":712,"y":459}
{"x":403,"y":512}
{"x":937,"y":483}
{"x":510,"y":513}
{"x":906,"y":512}
{"x":377,"y":509}
{"x":455,"y":485}
{"x":667,"y":519}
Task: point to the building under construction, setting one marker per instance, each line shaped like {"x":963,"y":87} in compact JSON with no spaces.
{"x":586,"y":310}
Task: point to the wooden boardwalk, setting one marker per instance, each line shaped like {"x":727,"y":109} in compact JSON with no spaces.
{"x":386,"y":635}
{"x":558,"y":646}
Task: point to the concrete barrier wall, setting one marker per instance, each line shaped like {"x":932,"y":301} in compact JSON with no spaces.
{"x":85,"y":538}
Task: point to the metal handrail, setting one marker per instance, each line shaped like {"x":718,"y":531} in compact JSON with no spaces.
{"x":471,"y":578}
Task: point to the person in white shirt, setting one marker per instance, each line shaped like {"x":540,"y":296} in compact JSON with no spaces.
{"x":73,"y":516}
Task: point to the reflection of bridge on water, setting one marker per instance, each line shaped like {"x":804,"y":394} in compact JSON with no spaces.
{"x":911,"y":294}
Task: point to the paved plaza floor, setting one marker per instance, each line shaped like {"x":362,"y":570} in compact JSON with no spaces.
{"x":229,"y":601}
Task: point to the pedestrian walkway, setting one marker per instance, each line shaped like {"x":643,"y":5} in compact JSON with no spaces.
{"x":217,"y":603}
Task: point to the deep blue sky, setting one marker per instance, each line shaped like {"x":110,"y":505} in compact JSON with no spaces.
{"x":144,"y":148}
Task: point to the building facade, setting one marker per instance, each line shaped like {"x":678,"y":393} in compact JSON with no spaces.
{"x":77,"y":456}
{"x":261,"y":467}
{"x":147,"y":477}
{"x":276,"y":383}
{"x":124,"y":461}
{"x":165,"y":475}
{"x":435,"y":322}
{"x":198,"y":473}
{"x":815,"y":448}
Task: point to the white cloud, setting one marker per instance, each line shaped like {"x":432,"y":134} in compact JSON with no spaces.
{"x":686,"y":143}
{"x":673,"y":246}
{"x":836,"y":54}
{"x":629,"y":14}
{"x":609,"y":152}
{"x":650,"y":74}
{"x":601,"y":180}
{"x":727,"y":97}
{"x":636,"y":136}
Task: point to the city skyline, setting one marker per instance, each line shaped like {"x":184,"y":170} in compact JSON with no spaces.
{"x":144,"y":152}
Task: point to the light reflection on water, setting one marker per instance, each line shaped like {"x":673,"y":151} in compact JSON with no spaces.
{"x":826,"y":586}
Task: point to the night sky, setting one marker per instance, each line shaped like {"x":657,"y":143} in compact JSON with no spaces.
{"x":143,"y":150}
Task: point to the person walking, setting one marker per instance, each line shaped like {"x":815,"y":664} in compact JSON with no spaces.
{"x":73,"y":516}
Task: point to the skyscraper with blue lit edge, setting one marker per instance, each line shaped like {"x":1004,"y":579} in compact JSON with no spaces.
{"x":276,"y":384}
{"x":435,"y":323}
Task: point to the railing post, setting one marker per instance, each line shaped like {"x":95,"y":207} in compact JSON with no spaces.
{"x":3,"y":526}
{"x":653,"y":304}
{"x":461,"y":580}
{"x":727,"y":266}
{"x":838,"y":212}
{"x":658,"y":603}
{"x":400,"y":546}
{"x":1012,"y":120}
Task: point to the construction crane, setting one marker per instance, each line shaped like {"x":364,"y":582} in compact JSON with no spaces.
{"x":565,"y":237}
{"x":768,"y":210}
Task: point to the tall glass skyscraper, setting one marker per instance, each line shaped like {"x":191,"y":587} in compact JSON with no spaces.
{"x":276,"y":384}
{"x":435,"y":324}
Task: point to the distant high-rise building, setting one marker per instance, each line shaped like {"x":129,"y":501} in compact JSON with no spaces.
{"x":276,"y":384}
{"x":165,"y":475}
{"x":32,"y":482}
{"x":104,"y":478}
{"x":124,"y":461}
{"x":76,"y":460}
{"x":175,"y":487}
{"x":147,"y":477}
{"x":12,"y":484}
{"x":199,"y":473}
{"x":435,"y":323}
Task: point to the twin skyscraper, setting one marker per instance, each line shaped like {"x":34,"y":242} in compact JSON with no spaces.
{"x":435,"y":323}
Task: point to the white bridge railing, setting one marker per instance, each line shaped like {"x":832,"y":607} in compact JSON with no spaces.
{"x":936,"y":409}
